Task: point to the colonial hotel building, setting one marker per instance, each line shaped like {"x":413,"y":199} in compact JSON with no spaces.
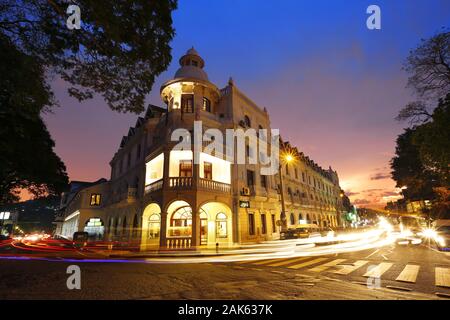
{"x":161,"y":199}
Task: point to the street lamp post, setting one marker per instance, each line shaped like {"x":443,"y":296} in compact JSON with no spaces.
{"x":288,"y":158}
{"x":283,"y":205}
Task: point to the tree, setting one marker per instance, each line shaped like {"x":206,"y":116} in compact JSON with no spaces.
{"x":433,"y":142}
{"x":422,"y":154}
{"x":408,"y":170}
{"x":27,"y":159}
{"x":429,"y":66}
{"x":429,"y":69}
{"x":119,"y":50}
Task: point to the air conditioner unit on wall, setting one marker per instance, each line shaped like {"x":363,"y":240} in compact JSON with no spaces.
{"x":245,"y":191}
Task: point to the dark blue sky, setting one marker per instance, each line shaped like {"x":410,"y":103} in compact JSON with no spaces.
{"x":330,"y":85}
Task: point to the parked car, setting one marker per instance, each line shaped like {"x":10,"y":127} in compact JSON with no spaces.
{"x":301,"y":231}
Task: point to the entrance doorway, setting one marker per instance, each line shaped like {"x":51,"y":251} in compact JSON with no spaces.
{"x":203,"y":227}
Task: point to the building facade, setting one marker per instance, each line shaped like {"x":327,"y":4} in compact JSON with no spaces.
{"x":161,"y":196}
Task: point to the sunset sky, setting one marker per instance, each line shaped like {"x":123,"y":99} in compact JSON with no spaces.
{"x":330,"y":85}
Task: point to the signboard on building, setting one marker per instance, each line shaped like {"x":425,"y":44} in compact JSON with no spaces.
{"x":244,"y":204}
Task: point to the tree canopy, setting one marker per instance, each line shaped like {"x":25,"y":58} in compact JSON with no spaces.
{"x":428,"y":66}
{"x":117,"y":53}
{"x":422,"y":154}
{"x":27,"y":159}
{"x":119,"y":50}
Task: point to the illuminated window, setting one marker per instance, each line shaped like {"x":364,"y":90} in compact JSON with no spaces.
{"x":95,"y":199}
{"x":94,"y":227}
{"x":207,"y":170}
{"x":187,"y":103}
{"x":185,"y":168}
{"x":263,"y":224}
{"x":221,"y":225}
{"x":154,"y":226}
{"x":4,"y":215}
{"x":182,"y":217}
{"x":203,"y":227}
{"x":181,"y":222}
{"x":154,"y":169}
{"x":206,"y":104}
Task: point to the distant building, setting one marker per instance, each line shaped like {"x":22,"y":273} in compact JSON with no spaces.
{"x":161,"y":198}
{"x":8,"y":220}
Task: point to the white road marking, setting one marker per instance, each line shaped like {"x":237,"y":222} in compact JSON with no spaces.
{"x":286,"y":261}
{"x":372,"y":254}
{"x":264,"y":261}
{"x":378,"y":271}
{"x":307,"y":263}
{"x":442,"y":277}
{"x":409,"y":273}
{"x":350,"y":268}
{"x":327,"y":265}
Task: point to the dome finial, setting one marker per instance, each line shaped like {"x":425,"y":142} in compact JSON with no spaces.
{"x":191,"y":66}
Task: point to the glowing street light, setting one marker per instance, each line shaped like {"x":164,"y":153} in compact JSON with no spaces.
{"x":287,"y":156}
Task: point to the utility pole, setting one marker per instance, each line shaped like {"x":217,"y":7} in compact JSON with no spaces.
{"x":283,"y":205}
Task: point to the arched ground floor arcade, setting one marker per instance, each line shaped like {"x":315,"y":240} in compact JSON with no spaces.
{"x":181,"y":225}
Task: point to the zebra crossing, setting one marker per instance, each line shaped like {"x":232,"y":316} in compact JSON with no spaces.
{"x":343,"y":267}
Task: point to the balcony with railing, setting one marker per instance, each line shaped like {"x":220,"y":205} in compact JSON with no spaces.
{"x":157,"y":185}
{"x":178,"y":243}
{"x":211,"y":185}
{"x":180,"y":182}
{"x":187,"y":183}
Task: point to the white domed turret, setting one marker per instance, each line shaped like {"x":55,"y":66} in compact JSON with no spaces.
{"x":190,"y":87}
{"x":191,"y":66}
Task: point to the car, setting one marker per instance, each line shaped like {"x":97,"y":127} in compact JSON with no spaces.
{"x":79,"y":239}
{"x":443,"y":237}
{"x":301,"y":231}
{"x":4,"y":237}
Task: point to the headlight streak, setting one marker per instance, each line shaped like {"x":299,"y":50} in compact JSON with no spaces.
{"x":279,"y":249}
{"x":368,"y":240}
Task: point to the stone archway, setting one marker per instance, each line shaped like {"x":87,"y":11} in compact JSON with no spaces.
{"x":151,"y":227}
{"x":219,"y":227}
{"x":179,"y":225}
{"x":95,"y":228}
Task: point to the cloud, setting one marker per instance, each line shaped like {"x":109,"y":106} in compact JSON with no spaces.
{"x":389,"y":194}
{"x":361,"y":201}
{"x":350,"y":193}
{"x":380,"y":176}
{"x":372,"y":190}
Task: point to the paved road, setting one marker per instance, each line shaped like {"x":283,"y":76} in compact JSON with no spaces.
{"x":323,"y":277}
{"x":405,"y":268}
